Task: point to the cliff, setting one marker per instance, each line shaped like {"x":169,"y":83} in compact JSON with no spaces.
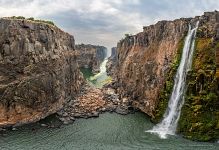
{"x":90,"y":56}
{"x":147,"y":63}
{"x":38,"y":70}
{"x":200,"y":114}
{"x":110,"y":66}
{"x":144,"y":59}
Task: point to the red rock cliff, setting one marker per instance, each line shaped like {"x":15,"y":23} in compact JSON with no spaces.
{"x":144,"y":59}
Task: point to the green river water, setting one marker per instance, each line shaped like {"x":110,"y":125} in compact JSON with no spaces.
{"x":110,"y":131}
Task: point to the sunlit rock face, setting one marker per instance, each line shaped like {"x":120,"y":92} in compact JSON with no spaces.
{"x":38,"y":70}
{"x":91,"y":56}
{"x":144,"y":59}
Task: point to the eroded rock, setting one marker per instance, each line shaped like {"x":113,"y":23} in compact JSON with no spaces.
{"x":38,"y":71}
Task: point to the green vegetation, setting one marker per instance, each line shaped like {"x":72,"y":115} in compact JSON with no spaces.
{"x":168,"y":86}
{"x":18,"y":17}
{"x":127,"y":35}
{"x":31,"y":18}
{"x":35,"y":20}
{"x":199,"y":119}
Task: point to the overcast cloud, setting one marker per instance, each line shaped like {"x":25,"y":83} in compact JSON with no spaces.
{"x":105,"y":22}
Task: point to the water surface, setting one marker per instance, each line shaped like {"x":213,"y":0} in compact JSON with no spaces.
{"x":108,"y":132}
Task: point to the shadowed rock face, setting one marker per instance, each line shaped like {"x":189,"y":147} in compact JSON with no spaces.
{"x":90,"y":56}
{"x":38,"y":71}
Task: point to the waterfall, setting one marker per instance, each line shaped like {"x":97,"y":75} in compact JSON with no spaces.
{"x":170,"y":119}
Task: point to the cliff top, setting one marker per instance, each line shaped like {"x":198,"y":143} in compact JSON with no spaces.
{"x":31,"y":19}
{"x":33,"y":23}
{"x":214,"y":15}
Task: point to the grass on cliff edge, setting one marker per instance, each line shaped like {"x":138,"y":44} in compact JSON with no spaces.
{"x":34,"y":20}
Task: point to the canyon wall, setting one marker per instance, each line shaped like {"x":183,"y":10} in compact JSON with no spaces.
{"x":144,"y":59}
{"x":38,"y":70}
{"x":146,"y":65}
{"x":200,"y":113}
{"x":90,"y":56}
{"x":110,"y":66}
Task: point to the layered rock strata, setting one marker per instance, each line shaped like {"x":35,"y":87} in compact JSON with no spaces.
{"x":143,"y":61}
{"x":38,"y":70}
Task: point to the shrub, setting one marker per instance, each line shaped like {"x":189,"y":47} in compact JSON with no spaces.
{"x":20,"y":17}
{"x":31,"y":18}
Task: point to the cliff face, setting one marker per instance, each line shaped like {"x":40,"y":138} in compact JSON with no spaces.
{"x":144,"y":60}
{"x":200,"y":113}
{"x":147,"y":63}
{"x":111,"y":63}
{"x":38,"y":70}
{"x":90,"y":56}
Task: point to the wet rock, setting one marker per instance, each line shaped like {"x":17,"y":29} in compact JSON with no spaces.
{"x":122,"y":111}
{"x":43,"y":125}
{"x":95,"y":114}
{"x":2,"y":129}
{"x":14,"y":129}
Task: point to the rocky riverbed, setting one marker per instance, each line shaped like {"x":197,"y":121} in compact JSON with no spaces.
{"x":91,"y":102}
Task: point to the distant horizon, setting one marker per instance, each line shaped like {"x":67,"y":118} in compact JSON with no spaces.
{"x":105,"y":22}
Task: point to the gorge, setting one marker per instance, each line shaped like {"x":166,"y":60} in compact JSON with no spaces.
{"x":40,"y":75}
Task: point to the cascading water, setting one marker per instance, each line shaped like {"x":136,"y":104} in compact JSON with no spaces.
{"x":172,"y":114}
{"x":102,"y":75}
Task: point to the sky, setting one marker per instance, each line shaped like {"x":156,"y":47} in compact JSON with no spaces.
{"x":105,"y":22}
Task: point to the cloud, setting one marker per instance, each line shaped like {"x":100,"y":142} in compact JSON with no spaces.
{"x":105,"y":22}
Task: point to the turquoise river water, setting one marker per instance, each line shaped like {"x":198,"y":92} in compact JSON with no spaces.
{"x":107,"y":132}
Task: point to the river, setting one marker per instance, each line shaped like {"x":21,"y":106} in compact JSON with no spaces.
{"x":108,"y":132}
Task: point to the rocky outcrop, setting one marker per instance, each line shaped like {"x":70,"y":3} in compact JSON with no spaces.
{"x":90,"y":56}
{"x":111,"y":63}
{"x":38,"y":70}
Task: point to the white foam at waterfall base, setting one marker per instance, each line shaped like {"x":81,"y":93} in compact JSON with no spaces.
{"x":171,"y":116}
